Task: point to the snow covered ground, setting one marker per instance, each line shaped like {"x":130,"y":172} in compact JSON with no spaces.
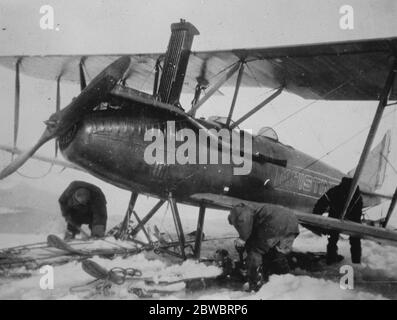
{"x":30,"y":212}
{"x":373,"y":278}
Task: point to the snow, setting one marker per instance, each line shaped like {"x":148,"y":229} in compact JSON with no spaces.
{"x":375,"y":278}
{"x":379,"y":264}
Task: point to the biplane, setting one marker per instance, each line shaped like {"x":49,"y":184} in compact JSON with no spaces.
{"x":102,"y":130}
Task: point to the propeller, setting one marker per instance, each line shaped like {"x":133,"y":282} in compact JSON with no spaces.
{"x":202,"y":77}
{"x":61,"y":121}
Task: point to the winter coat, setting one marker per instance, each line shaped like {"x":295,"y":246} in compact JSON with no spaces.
{"x":265,"y":227}
{"x":334,"y":200}
{"x":93,"y":213}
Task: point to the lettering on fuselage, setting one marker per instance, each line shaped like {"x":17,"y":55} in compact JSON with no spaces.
{"x":300,"y":181}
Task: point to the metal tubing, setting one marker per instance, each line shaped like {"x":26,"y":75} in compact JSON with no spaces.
{"x":17,"y":100}
{"x":215,"y":88}
{"x":371,"y":135}
{"x":148,"y":217}
{"x":127,"y":217}
{"x":143,"y":228}
{"x":257,"y":108}
{"x":236,"y":90}
{"x":391,"y":209}
{"x":199,"y":232}
{"x":178,"y":225}
{"x":58,"y":106}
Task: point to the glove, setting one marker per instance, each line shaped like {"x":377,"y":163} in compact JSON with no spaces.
{"x":68,"y":235}
{"x":98,"y":231}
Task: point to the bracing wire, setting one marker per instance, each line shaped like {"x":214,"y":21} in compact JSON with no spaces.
{"x":335,"y":148}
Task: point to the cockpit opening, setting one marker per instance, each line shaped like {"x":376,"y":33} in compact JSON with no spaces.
{"x":268,"y":132}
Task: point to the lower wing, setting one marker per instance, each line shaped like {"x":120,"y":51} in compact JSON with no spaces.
{"x":54,"y":161}
{"x":384,"y":236}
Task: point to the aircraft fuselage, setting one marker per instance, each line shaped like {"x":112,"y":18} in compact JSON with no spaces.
{"x":110,"y":145}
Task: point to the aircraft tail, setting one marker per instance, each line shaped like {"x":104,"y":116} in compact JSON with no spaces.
{"x":374,"y":171}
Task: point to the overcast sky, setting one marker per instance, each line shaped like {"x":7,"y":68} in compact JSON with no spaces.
{"x":119,"y":26}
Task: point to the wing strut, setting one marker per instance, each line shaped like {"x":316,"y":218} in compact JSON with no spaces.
{"x":199,"y":232}
{"x":215,"y":88}
{"x":257,"y":108}
{"x":178,"y":224}
{"x":237,"y":88}
{"x":371,"y":134}
{"x":123,"y":232}
{"x":58,"y":107}
{"x":17,"y":101}
{"x":391,"y":209}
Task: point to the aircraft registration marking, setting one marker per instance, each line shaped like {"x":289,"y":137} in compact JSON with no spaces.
{"x":293,"y":179}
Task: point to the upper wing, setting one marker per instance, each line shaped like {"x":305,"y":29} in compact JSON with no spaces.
{"x":353,"y":70}
{"x":67,"y":66}
{"x":385,"y":236}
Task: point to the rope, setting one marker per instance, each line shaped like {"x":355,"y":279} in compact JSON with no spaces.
{"x":122,"y":274}
{"x":116,"y":275}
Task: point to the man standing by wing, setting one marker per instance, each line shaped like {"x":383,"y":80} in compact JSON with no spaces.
{"x":83,"y":203}
{"x":333,"y":201}
{"x":267,"y":233}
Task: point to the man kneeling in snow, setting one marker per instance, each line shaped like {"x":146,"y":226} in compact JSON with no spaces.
{"x":268,"y":233}
{"x":83,"y":203}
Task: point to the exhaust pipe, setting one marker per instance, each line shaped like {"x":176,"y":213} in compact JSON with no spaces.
{"x":175,"y":62}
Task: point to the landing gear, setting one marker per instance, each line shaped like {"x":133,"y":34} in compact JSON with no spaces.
{"x":126,"y":231}
{"x":178,"y":225}
{"x":199,"y":232}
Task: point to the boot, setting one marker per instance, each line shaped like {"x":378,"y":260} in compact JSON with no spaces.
{"x":255,"y":270}
{"x":355,"y":249}
{"x":256,"y":280}
{"x":332,"y":250}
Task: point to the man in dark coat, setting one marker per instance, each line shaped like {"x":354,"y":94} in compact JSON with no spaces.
{"x":268,"y":233}
{"x":83,"y":203}
{"x":333,"y":201}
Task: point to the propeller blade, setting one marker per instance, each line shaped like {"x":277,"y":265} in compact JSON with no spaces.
{"x":61,"y":121}
{"x":23,"y":157}
{"x":83,"y":82}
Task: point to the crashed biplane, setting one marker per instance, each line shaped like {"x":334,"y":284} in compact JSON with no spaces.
{"x":102,"y":130}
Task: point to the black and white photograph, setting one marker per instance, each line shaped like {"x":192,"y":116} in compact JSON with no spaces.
{"x":198,"y":150}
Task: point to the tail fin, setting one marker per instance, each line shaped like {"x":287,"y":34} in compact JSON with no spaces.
{"x":373,"y":174}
